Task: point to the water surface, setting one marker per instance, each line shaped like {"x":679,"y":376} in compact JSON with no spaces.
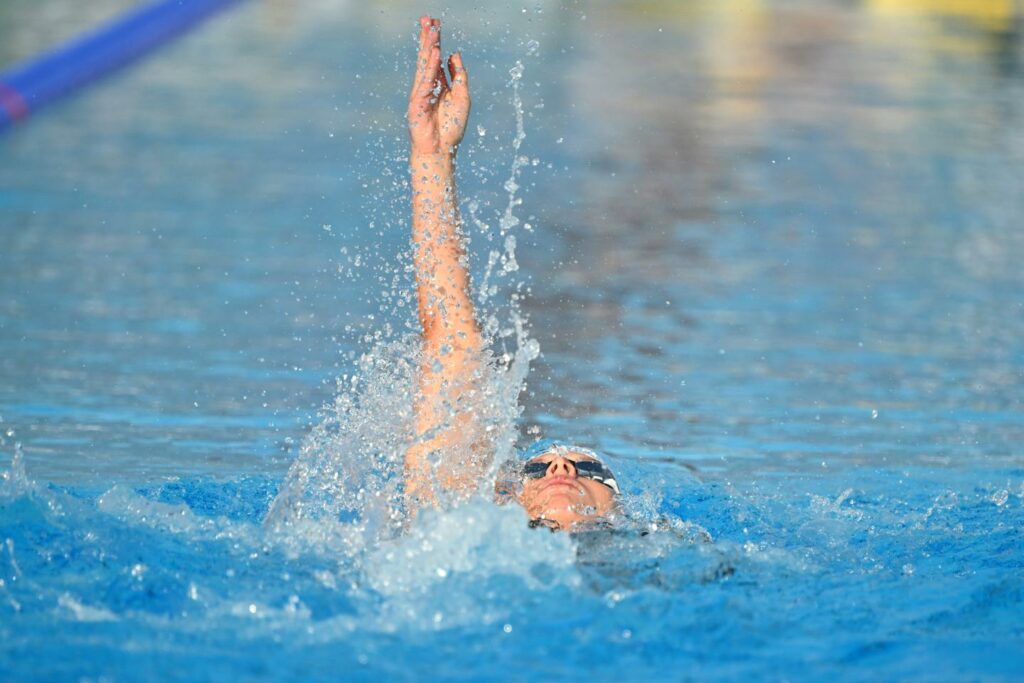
{"x":773,"y":268}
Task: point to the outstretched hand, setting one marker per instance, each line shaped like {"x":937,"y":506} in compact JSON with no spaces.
{"x":438,"y":107}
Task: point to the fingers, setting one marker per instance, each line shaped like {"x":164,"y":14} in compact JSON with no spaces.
{"x":439,"y":77}
{"x":457,"y":72}
{"x":429,"y":40}
{"x":433,"y":81}
{"x":425,"y":42}
{"x":427,"y":75}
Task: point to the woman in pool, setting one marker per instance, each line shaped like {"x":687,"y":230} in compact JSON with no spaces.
{"x":562,"y":486}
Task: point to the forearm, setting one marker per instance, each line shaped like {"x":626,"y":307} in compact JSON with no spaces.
{"x":444,"y":299}
{"x":451,"y":336}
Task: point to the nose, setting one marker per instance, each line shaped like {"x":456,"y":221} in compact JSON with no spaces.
{"x":561,"y":467}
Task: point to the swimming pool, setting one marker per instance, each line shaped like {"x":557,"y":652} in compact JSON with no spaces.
{"x":774,"y":276}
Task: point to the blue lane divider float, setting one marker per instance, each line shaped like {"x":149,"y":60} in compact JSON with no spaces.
{"x":26,"y":87}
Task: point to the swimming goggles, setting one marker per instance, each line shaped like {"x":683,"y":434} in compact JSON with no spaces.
{"x":591,"y":469}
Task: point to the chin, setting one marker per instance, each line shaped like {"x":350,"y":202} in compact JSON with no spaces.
{"x":564,"y":516}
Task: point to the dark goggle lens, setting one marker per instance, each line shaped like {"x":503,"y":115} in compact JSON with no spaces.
{"x":591,"y":469}
{"x":536,"y":470}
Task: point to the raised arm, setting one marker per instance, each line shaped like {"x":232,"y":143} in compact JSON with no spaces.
{"x":452,"y":342}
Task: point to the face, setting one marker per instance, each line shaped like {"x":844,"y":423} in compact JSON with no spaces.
{"x":563,"y":497}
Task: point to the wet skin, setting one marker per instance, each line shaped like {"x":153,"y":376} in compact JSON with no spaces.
{"x":563,"y":497}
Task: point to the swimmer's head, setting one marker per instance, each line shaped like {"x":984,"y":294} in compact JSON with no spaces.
{"x":563,"y":486}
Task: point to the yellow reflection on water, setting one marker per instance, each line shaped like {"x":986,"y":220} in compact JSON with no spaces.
{"x":993,"y":14}
{"x":997,"y":15}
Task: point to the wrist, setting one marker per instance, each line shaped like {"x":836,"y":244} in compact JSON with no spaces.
{"x":432,"y":168}
{"x":433,"y":159}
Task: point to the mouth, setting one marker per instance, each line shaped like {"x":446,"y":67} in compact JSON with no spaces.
{"x":560,"y":481}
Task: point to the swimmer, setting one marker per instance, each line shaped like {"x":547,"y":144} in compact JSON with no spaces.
{"x":559,"y":485}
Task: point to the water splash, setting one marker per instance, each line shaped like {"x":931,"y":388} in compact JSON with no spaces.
{"x":344,"y":485}
{"x":508,"y":220}
{"x":15,"y":482}
{"x":344,"y":490}
{"x":416,"y":575}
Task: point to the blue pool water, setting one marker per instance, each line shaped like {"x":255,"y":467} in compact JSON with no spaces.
{"x":773,"y":269}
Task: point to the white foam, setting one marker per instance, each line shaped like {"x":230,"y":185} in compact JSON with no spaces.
{"x":130,"y":507}
{"x":83,"y":612}
{"x":433,"y":578}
